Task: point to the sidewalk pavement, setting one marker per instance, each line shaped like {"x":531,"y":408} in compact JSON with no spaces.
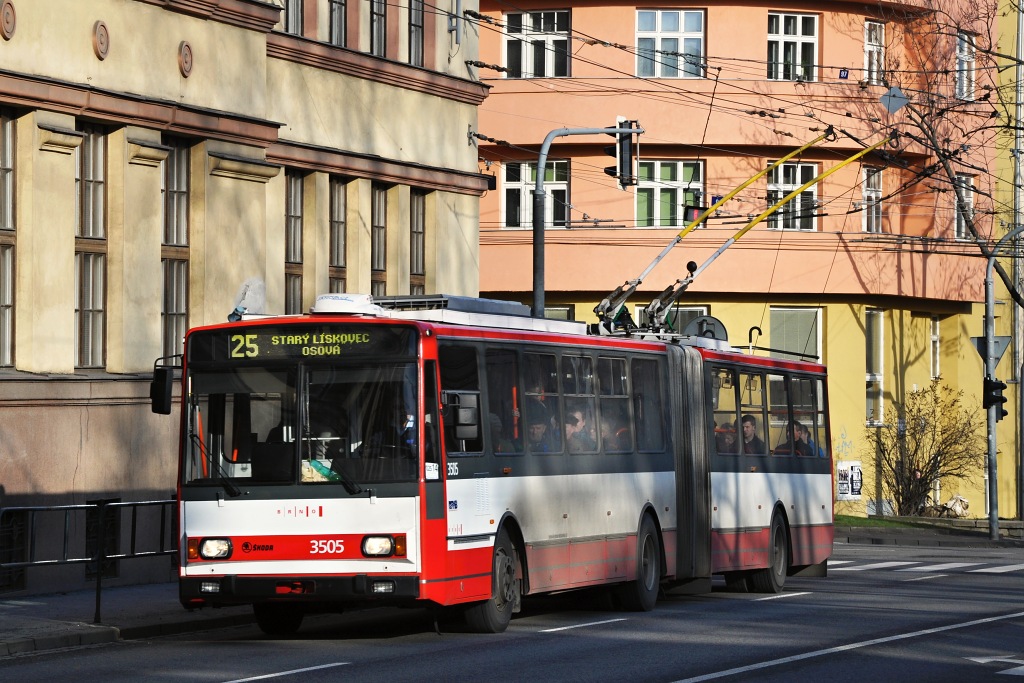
{"x":48,"y":622}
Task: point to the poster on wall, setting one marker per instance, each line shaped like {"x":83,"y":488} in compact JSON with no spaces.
{"x":849,"y":478}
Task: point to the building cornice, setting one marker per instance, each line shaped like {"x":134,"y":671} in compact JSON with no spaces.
{"x":106,"y":106}
{"x":361,"y":65}
{"x":251,"y":14}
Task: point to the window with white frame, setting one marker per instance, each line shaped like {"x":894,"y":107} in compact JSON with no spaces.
{"x":935,"y":339}
{"x":7,"y":240}
{"x":792,"y":46}
{"x":797,"y":213}
{"x":90,"y":247}
{"x":519,"y":180}
{"x":670,"y":43}
{"x":537,"y":44}
{"x":417,"y":242}
{"x":379,"y":240}
{"x":874,"y":52}
{"x":796,"y":332}
{"x":566,"y":312}
{"x":293,"y":17}
{"x":964,"y":66}
{"x":293,"y":243}
{"x":416,"y":32}
{"x":338,"y":33}
{"x":964,"y":205}
{"x":174,"y":250}
{"x":664,"y":189}
{"x":871,"y":195}
{"x":873,"y":349}
{"x":676,"y":318}
{"x":378,"y":28}
{"x":337,"y":270}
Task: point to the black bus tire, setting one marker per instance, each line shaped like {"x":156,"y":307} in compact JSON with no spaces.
{"x":773,"y":578}
{"x":641,"y":595}
{"x":494,"y":615}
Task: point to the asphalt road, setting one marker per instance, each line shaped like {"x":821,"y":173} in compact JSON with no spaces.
{"x":884,"y":613}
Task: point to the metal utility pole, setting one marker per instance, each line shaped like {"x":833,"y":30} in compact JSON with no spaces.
{"x":538,"y":204}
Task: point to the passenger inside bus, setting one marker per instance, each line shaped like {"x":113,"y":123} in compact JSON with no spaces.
{"x":725,"y":438}
{"x":753,"y":444}
{"x":538,"y":433}
{"x":793,"y":445}
{"x":499,"y":442}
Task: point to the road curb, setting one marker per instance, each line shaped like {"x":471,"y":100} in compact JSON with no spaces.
{"x":79,"y":635}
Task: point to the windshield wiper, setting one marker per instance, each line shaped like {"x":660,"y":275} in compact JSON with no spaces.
{"x":347,"y":482}
{"x":221,"y":476}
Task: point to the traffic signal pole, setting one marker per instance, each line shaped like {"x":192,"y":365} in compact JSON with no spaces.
{"x":538,"y":203}
{"x":990,"y":385}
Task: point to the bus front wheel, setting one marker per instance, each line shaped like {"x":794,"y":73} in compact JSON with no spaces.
{"x":494,"y":615}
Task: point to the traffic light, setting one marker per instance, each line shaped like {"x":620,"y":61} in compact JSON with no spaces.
{"x":993,"y":396}
{"x":624,"y":151}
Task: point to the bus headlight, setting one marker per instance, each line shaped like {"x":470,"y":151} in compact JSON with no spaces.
{"x":215,"y":548}
{"x":384,"y":546}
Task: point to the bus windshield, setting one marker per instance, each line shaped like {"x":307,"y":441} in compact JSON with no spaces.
{"x":322,"y":424}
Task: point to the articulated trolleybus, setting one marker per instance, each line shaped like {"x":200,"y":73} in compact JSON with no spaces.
{"x":456,"y":452}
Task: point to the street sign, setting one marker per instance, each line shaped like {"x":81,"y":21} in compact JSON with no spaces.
{"x":894,"y":100}
{"x":999,"y":345}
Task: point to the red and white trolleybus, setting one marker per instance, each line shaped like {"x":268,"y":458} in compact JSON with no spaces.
{"x":452,"y":451}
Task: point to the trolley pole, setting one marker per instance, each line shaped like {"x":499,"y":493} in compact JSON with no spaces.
{"x":538,"y":204}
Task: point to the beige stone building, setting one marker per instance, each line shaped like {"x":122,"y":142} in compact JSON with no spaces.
{"x":157,"y":154}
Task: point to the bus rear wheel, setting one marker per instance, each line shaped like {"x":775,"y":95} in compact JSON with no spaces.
{"x":773,"y":578}
{"x":494,"y":615}
{"x":641,"y":595}
{"x":276,"y":619}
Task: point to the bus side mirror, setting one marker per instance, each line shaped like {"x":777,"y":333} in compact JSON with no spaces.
{"x":462,"y":410}
{"x":160,"y":387}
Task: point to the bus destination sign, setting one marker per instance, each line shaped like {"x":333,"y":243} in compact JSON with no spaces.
{"x":300,"y":342}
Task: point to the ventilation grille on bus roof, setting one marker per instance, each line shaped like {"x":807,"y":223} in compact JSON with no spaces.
{"x":465,"y":304}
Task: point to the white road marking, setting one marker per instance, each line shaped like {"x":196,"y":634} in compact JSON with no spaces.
{"x":846,"y":648}
{"x":782,"y":595}
{"x":940,"y":567}
{"x":289,"y":673}
{"x":998,"y":570}
{"x":592,"y":623}
{"x":925,"y":577}
{"x":833,"y":563}
{"x":876,"y":565}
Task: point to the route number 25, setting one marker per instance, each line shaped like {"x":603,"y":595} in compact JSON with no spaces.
{"x":244,"y":346}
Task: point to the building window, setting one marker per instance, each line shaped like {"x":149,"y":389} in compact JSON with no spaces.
{"x":665,"y":188}
{"x":935,"y":345}
{"x":417,"y":242}
{"x":537,"y":44}
{"x":964,"y":66}
{"x":797,"y":213}
{"x":964,"y":211}
{"x":338,"y":22}
{"x":379,"y":241}
{"x":792,"y":47}
{"x":872,"y":197}
{"x":7,"y":239}
{"x":174,"y":252}
{"x":669,"y":44}
{"x":874,"y":53}
{"x":676,"y":318}
{"x":378,"y":28}
{"x":873,"y":360}
{"x":567,"y":312}
{"x":416,"y":32}
{"x":90,"y":248}
{"x":796,"y":332}
{"x":293,"y":17}
{"x":339,"y":240}
{"x":520,"y":179}
{"x":293,"y":243}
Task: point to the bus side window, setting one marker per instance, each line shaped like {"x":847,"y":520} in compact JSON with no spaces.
{"x":504,"y":420}
{"x":613,"y":386}
{"x":459,"y":372}
{"x":726,"y":421}
{"x":752,"y":414}
{"x":647,"y":408}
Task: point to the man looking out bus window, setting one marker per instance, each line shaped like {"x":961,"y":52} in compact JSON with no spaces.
{"x":752,"y":443}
